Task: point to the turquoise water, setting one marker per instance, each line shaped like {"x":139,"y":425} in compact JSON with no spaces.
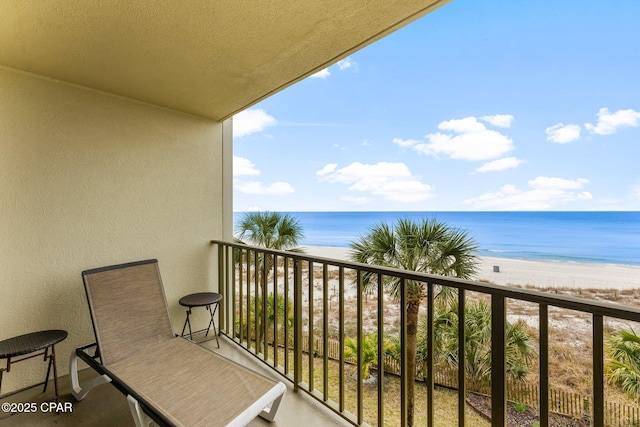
{"x":599,"y":237}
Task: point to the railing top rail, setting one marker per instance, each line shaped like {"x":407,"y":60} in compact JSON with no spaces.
{"x":603,"y":308}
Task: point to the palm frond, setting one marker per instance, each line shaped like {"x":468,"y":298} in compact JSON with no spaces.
{"x":427,"y":246}
{"x":273,"y":230}
{"x":519,"y":351}
{"x":623,"y":368}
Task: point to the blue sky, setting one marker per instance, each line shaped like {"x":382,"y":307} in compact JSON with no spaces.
{"x":492,"y":105}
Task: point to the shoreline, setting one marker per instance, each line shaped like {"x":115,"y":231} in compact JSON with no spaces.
{"x":540,"y":274}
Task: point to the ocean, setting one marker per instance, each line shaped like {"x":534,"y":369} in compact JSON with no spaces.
{"x":595,"y":237}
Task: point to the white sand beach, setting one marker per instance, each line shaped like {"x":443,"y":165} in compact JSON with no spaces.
{"x":540,"y":274}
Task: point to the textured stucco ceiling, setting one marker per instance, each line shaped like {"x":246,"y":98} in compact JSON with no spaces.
{"x":210,"y":58}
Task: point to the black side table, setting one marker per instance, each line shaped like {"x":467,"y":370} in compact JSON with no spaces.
{"x":202,"y":299}
{"x":32,"y":343}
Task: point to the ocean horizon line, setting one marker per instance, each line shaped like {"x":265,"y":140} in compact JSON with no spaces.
{"x":600,"y":237}
{"x":491,"y":255}
{"x":437,"y":211}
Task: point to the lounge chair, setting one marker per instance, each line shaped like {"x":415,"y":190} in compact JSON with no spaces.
{"x":167,"y":379}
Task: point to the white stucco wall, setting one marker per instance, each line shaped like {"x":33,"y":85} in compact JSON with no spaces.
{"x":88,"y":180}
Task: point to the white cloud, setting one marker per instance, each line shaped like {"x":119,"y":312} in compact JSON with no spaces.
{"x":467,"y":139}
{"x":499,"y":120}
{"x":251,"y":121}
{"x":549,"y":183}
{"x":562,"y":133}
{"x":322,"y":74}
{"x":242,"y":166}
{"x":342,"y":65}
{"x":405,"y":142}
{"x":470,"y":146}
{"x":275,"y":189}
{"x":466,"y":125}
{"x":346,"y":63}
{"x":500,"y":165}
{"x":328,"y":169}
{"x":609,"y":123}
{"x":392,"y":181}
{"x":543,"y":193}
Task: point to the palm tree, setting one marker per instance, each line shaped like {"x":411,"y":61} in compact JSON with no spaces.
{"x":519,"y":354}
{"x":427,"y":246}
{"x":272,"y":230}
{"x":275,"y":309}
{"x":623,"y":348}
{"x":369,"y":352}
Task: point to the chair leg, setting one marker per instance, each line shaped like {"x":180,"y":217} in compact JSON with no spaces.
{"x":210,"y":322}
{"x":55,"y":371}
{"x":139,"y":417}
{"x":213,"y":323}
{"x":217,"y":331}
{"x":78,"y":392}
{"x":270,"y":414}
{"x":277,"y":393}
{"x":51,"y":361}
{"x":187,"y":322}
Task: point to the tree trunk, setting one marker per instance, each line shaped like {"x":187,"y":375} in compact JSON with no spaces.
{"x":412,"y":336}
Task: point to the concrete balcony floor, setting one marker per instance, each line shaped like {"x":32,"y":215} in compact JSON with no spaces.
{"x":106,"y":406}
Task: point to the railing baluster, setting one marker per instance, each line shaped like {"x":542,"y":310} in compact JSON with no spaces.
{"x":498,"y":365}
{"x":544,"y":364}
{"x":341,"y":337}
{"x":462,"y":386}
{"x":248,"y":297}
{"x":380,"y":350}
{"x":403,"y":354}
{"x":222,"y":285}
{"x":241,"y":296}
{"x":430,"y":380}
{"x":286,"y":315}
{"x":275,"y":311}
{"x":264,"y":291}
{"x":598,"y":370}
{"x":311,"y":329}
{"x":360,"y":339}
{"x":297,"y":329}
{"x":255,"y":302}
{"x":234,"y":252}
{"x":325,"y":332}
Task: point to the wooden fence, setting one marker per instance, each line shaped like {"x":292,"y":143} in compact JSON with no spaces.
{"x":561,"y":402}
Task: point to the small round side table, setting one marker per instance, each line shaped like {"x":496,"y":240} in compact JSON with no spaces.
{"x":202,"y":299}
{"x":31,"y":343}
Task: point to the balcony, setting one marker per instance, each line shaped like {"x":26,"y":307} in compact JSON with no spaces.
{"x":328,"y":385}
{"x":311,"y":305}
{"x":116,"y":146}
